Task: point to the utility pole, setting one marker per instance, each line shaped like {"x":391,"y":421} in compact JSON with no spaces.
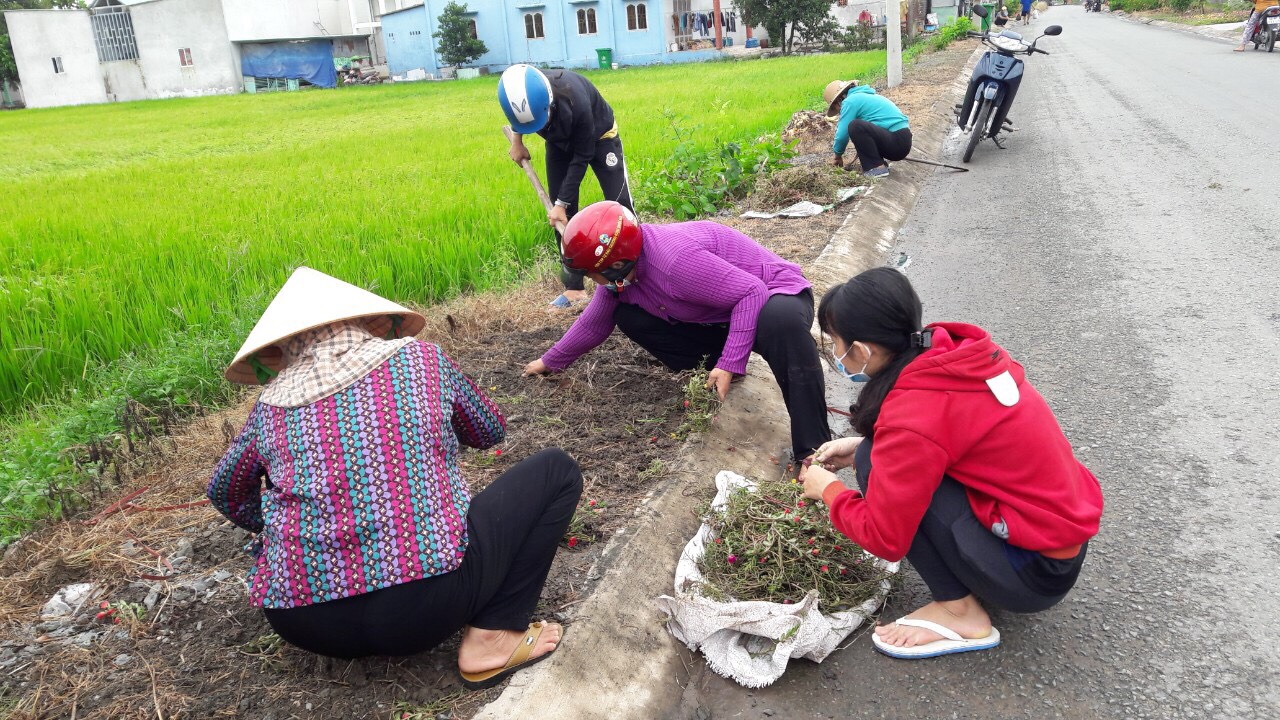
{"x":893,"y":41}
{"x":715,"y":20}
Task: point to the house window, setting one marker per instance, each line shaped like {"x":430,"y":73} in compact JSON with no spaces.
{"x":587,"y":21}
{"x":113,"y":33}
{"x":533,"y":26}
{"x":471,"y":25}
{"x":57,"y":66}
{"x":637,"y":17}
{"x":184,"y":57}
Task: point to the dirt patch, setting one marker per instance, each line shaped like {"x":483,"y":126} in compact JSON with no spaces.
{"x":179,"y":639}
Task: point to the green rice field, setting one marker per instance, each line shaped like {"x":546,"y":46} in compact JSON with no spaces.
{"x":121,"y":221}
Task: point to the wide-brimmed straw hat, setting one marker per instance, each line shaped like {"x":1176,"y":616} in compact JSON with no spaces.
{"x":833,"y":94}
{"x":311,"y":299}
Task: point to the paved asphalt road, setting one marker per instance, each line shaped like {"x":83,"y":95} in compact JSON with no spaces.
{"x":1125,"y":249}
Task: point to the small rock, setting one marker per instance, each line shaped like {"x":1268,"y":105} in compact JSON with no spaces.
{"x":183,"y":550}
{"x":122,"y":659}
{"x":84,"y":639}
{"x":221,"y":575}
{"x":767,"y":712}
{"x":702,"y":713}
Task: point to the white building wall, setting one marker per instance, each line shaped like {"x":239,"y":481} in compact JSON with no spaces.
{"x":162,"y":28}
{"x":249,"y":20}
{"x":38,"y":36}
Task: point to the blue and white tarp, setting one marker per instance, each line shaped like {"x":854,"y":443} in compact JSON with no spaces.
{"x":310,"y":60}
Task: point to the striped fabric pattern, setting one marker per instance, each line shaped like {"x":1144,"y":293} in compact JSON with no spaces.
{"x":360,"y":490}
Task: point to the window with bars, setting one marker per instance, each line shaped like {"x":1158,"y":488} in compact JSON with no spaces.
{"x":586,"y":21}
{"x":637,"y":17}
{"x":184,"y":57}
{"x":533,"y":26}
{"x":113,"y":34}
{"x":57,"y":66}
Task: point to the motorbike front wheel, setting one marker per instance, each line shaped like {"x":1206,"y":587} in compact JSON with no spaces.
{"x":979,"y":128}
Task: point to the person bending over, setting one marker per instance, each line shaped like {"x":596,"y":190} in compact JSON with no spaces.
{"x":876,"y":127}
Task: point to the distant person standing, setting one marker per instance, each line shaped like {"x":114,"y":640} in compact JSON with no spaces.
{"x":1024,"y":12}
{"x":579,"y":127}
{"x":876,"y":127}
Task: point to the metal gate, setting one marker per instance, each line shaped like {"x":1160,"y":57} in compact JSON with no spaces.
{"x":113,"y":34}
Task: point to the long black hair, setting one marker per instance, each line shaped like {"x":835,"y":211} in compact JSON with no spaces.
{"x":877,"y":306}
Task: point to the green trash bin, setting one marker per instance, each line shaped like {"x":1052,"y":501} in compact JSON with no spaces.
{"x":991,"y":14}
{"x":605,"y":56}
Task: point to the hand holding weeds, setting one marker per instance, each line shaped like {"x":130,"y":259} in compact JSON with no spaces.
{"x":816,"y":479}
{"x":838,"y":453}
{"x":537,"y":367}
{"x":719,"y":380}
{"x":837,"y":161}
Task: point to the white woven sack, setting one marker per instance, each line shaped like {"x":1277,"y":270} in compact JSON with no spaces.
{"x":750,"y":642}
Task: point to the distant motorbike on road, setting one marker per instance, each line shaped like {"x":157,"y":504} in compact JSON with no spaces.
{"x":995,"y":81}
{"x":1093,"y":5}
{"x":1268,"y":29}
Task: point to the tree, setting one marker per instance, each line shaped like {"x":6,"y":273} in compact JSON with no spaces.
{"x":455,"y":43}
{"x":808,"y":20}
{"x":8,"y":67}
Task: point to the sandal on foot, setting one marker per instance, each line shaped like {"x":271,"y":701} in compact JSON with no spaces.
{"x":519,"y":660}
{"x":561,"y":302}
{"x":953,"y":642}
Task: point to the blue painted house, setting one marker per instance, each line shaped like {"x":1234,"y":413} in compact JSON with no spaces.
{"x":562,"y":33}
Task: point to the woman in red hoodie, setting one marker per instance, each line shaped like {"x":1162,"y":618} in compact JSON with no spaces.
{"x":962,"y":468}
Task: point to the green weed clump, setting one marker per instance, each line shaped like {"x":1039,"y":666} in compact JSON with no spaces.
{"x":701,"y":404}
{"x":774,"y":545}
{"x":950,"y":32}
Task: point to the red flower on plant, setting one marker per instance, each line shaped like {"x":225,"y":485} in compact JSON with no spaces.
{"x":843,"y":571}
{"x":813,"y":540}
{"x":497,"y":453}
{"x":592,"y":503}
{"x":573,"y":541}
{"x":800,"y":504}
{"x":763,"y":560}
{"x":824,"y":568}
{"x":733,"y":559}
{"x":814,"y":551}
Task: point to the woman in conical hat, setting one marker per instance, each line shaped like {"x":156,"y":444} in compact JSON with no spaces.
{"x":369,"y":542}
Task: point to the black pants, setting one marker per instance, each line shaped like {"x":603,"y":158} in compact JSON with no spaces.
{"x":514,"y":526}
{"x":782,"y":339}
{"x":956,"y":556}
{"x":875,"y":144}
{"x":613,"y":183}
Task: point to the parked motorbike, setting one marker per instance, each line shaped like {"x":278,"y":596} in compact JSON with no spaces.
{"x":1268,"y":29}
{"x":995,"y":81}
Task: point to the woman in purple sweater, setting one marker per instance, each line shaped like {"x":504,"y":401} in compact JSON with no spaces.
{"x":368,"y":539}
{"x":696,"y":293}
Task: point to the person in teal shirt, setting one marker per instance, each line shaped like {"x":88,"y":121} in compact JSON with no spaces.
{"x":876,"y":127}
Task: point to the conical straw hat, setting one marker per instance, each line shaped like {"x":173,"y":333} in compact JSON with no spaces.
{"x":833,"y":94}
{"x":309,"y":300}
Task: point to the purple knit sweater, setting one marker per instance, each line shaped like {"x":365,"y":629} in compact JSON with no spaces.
{"x":693,"y":272}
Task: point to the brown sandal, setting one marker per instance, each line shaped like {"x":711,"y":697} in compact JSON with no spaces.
{"x":518,"y":661}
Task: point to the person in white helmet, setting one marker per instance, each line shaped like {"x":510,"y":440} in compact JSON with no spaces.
{"x":580,"y":131}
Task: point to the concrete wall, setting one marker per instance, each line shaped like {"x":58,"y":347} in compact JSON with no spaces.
{"x":162,"y":28}
{"x":281,"y":19}
{"x":40,"y":35}
{"x":410,"y":47}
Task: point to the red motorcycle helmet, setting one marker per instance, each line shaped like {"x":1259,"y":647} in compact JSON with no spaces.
{"x":600,"y":235}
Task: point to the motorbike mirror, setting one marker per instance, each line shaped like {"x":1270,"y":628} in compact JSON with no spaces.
{"x":1053,"y":30}
{"x":980,"y":11}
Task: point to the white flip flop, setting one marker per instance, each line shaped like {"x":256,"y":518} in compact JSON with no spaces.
{"x":952,"y":644}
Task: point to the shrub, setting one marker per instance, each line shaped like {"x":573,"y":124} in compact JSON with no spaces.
{"x":696,"y":181}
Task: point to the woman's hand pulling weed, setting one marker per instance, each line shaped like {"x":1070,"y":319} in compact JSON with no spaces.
{"x":836,"y":454}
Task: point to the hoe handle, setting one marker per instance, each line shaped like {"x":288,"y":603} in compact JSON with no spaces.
{"x":533,"y":179}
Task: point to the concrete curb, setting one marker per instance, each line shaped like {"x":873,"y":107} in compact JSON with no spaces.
{"x":618,"y":661}
{"x":1213,"y":32}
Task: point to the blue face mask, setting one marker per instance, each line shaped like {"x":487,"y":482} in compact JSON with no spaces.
{"x":859,"y":377}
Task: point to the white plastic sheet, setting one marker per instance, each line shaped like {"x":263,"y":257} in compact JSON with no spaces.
{"x":804,"y":208}
{"x":750,"y":642}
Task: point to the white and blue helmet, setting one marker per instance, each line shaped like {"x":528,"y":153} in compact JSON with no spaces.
{"x":525,"y":95}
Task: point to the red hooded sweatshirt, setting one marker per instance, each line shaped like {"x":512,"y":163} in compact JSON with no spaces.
{"x":963,"y":408}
